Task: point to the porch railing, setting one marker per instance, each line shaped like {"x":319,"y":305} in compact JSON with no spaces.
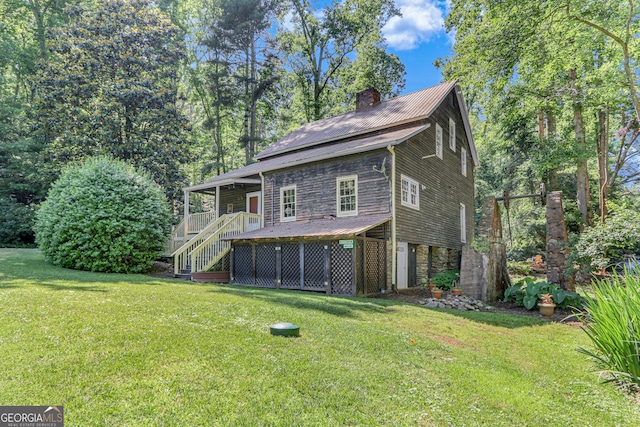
{"x":197,"y":222}
{"x":213,"y":248}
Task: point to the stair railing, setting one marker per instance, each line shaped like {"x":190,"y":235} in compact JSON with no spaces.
{"x":211,"y":250}
{"x":197,"y":223}
{"x":181,"y":256}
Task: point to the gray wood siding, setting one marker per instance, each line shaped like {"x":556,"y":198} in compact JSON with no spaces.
{"x":237,"y":196}
{"x":316,"y":186}
{"x":437,"y":223}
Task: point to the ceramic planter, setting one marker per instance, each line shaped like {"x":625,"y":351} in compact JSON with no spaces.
{"x":546,"y":309}
{"x":437,"y":293}
{"x":457,"y":292}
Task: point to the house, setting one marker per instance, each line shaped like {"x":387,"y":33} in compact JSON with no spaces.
{"x":372,"y":199}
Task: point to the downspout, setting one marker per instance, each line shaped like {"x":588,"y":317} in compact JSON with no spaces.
{"x":262,"y":202}
{"x":394,"y":243}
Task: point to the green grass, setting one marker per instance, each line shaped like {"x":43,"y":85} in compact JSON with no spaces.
{"x":131,"y":350}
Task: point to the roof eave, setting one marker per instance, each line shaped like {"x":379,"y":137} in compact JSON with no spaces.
{"x":467,"y":125}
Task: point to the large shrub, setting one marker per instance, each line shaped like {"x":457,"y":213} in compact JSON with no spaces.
{"x":103,"y":216}
{"x":16,"y":223}
{"x":603,"y":245}
{"x":612,"y":322}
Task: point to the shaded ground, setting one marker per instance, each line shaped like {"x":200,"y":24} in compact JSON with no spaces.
{"x":414,"y":296}
{"x":417,"y":294}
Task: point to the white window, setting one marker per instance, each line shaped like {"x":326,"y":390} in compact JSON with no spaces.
{"x":438,"y":141}
{"x":410,"y":194}
{"x":463,"y":223}
{"x":347,"y":195}
{"x":230,"y":208}
{"x":288,"y":203}
{"x":463,"y":160}
{"x":452,"y":134}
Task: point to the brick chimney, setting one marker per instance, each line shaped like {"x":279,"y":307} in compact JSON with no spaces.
{"x":367,"y":98}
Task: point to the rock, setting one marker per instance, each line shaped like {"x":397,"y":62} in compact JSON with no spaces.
{"x":432,"y":304}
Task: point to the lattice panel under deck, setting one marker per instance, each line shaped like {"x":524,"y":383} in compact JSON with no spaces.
{"x":359,"y":271}
{"x":290,"y":266}
{"x":341,"y":270}
{"x":374,"y":256}
{"x":243,"y":265}
{"x":266,"y":265}
{"x":314,"y":266}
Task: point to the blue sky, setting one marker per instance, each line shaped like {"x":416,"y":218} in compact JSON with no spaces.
{"x":418,"y":38}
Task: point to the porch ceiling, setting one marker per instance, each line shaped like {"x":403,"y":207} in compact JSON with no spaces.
{"x":202,"y":188}
{"x":348,"y":226}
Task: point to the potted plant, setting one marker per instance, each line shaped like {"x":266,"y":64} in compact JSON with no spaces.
{"x":431,"y":286}
{"x":456,"y":291}
{"x":437,"y":293}
{"x":546,"y":305}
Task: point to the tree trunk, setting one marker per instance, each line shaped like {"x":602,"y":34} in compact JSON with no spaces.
{"x":602,"y":149}
{"x":582,"y":178}
{"x":36,"y":9}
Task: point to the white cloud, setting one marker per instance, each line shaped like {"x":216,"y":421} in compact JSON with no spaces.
{"x":419,"y":21}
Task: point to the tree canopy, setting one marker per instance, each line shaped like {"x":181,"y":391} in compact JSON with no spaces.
{"x":110,"y":86}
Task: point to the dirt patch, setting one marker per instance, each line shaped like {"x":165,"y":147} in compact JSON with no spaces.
{"x":161,"y":269}
{"x":447,"y":340}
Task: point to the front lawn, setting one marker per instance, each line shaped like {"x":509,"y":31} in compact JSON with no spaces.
{"x":130,"y":350}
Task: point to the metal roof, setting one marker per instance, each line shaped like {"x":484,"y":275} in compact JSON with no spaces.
{"x":349,"y":226}
{"x":403,"y":109}
{"x":326,"y":151}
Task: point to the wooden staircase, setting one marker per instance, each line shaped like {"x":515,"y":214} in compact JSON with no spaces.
{"x":203,"y":250}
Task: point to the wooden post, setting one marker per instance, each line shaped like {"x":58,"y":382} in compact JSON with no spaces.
{"x":186,"y":215}
{"x":278,"y":266}
{"x":232,"y":260}
{"x":217,"y":202}
{"x":301,"y":249}
{"x":327,"y":267}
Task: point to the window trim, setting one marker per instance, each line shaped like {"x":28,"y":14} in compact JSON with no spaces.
{"x":295,"y":203}
{"x":463,"y":223}
{"x":408,"y":203}
{"x":463,"y":160}
{"x":452,"y":134}
{"x":439,"y":147}
{"x":340,"y":179}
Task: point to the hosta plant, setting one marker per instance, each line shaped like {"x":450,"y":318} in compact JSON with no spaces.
{"x":527,"y":292}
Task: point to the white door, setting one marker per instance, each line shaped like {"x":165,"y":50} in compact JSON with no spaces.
{"x":402,"y":266}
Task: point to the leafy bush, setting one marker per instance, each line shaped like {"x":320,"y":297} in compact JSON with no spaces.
{"x":603,"y":245}
{"x":16,"y":223}
{"x":444,"y":280}
{"x":612,"y":322}
{"x":527,"y":292}
{"x":103,"y":216}
{"x":519,"y":268}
